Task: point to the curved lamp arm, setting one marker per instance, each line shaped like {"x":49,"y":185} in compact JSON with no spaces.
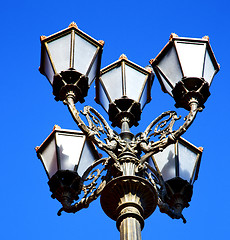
{"x":152,"y":147}
{"x":92,"y":131}
{"x":88,"y":189}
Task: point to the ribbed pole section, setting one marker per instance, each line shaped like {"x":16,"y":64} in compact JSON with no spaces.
{"x":130,"y":229}
{"x":129,"y":200}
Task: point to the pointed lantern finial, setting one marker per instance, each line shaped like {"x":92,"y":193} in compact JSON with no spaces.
{"x":205,"y":37}
{"x":123,"y":56}
{"x":73,"y":24}
{"x":173,"y":35}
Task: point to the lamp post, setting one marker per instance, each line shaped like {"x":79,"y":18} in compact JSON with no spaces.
{"x":139,"y":173}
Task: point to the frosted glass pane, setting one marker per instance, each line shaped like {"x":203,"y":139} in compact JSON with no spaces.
{"x":209,"y":69}
{"x":170,"y":66}
{"x":69,"y":150}
{"x":113,"y":83}
{"x":166,"y":162}
{"x":134,"y":82}
{"x":87,"y":158}
{"x":83,"y":54}
{"x":187,"y":161}
{"x":49,"y":158}
{"x":191,"y":56}
{"x":166,"y":85}
{"x":144,"y":96}
{"x":103,"y":98}
{"x":93,"y":71}
{"x":60,"y":53}
{"x":48,"y":67}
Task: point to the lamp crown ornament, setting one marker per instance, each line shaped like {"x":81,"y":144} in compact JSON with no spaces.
{"x":101,"y":42}
{"x":123,"y":56}
{"x":73,"y":24}
{"x":205,"y":37}
{"x":173,"y":35}
{"x":156,"y":167}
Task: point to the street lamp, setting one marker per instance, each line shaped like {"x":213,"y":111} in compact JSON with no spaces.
{"x":139,"y":173}
{"x":179,"y":167}
{"x":185,"y":68}
{"x":70,"y":59}
{"x":65,"y":164}
{"x":123,"y":89}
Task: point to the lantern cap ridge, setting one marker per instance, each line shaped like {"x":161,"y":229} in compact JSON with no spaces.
{"x":54,"y":128}
{"x":57,"y":128}
{"x":72,"y":26}
{"x":174,"y":37}
{"x":200,"y":149}
{"x":124,"y":58}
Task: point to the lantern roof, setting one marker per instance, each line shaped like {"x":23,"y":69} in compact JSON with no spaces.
{"x":174,"y":37}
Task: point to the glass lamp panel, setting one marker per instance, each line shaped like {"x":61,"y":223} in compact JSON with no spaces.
{"x":103,"y":100}
{"x":165,"y":161}
{"x":49,"y":158}
{"x":84,"y":52}
{"x":144,"y":96}
{"x":170,"y":66}
{"x":196,"y":171}
{"x":47,"y":67}
{"x":191,"y":57}
{"x":167,"y":87}
{"x":112,"y":81}
{"x":69,"y":147}
{"x":88,"y":156}
{"x":60,"y":52}
{"x":187,"y":161}
{"x":93,"y":71}
{"x":134,"y":82}
{"x":209,"y":70}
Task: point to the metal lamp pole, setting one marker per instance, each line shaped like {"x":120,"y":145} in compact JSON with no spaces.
{"x":138,"y":173}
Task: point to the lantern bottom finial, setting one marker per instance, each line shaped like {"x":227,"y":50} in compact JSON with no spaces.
{"x":70,"y":81}
{"x":65,"y":186}
{"x":189,"y":88}
{"x":124,"y":107}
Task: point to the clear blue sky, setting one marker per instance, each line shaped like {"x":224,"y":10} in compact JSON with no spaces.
{"x":140,"y":29}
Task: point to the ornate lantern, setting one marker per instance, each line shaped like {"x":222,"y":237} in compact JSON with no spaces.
{"x":185,"y":68}
{"x":70,"y":60}
{"x":66,"y":155}
{"x":122,"y":87}
{"x":179,"y":166}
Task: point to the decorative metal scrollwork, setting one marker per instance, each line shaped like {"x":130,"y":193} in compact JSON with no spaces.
{"x":114,"y":146}
{"x":92,"y":190}
{"x":164,"y":128}
{"x":97,"y":125}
